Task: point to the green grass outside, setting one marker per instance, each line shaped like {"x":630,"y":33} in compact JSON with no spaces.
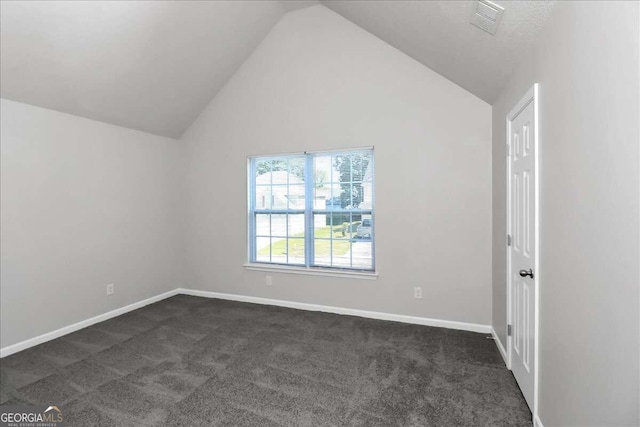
{"x":341,"y":244}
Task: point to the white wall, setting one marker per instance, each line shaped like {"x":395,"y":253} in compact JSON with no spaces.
{"x":586,"y":61}
{"x":320,"y":82}
{"x":83,"y":204}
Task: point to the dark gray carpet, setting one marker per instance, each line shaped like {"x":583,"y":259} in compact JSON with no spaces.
{"x":189,"y":361}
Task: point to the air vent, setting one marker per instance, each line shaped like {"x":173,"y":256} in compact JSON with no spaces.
{"x":487,"y":16}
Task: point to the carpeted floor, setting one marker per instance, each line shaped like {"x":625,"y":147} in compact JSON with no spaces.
{"x":189,"y":361}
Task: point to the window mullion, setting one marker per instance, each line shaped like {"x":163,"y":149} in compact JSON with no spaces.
{"x":308,"y":213}
{"x":350,"y":239}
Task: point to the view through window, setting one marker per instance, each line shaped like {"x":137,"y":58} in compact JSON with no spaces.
{"x":313,"y":209}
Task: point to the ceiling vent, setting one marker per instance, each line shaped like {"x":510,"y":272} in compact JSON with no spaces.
{"x":487,"y":16}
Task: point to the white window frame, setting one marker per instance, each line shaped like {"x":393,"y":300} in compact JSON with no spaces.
{"x":309,"y":211}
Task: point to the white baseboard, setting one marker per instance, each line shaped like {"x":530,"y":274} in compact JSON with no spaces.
{"x":500,"y":346}
{"x":23,"y":345}
{"x":536,"y":421}
{"x":450,"y":324}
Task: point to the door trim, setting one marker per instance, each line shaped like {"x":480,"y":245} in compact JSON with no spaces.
{"x":530,"y":97}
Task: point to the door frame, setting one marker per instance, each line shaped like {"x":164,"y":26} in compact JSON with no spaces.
{"x":530,"y":97}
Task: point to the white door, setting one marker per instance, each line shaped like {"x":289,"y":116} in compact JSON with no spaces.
{"x":522,"y":215}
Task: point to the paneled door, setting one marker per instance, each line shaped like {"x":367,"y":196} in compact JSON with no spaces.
{"x":522,"y":240}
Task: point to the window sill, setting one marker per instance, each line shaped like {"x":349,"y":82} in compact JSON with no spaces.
{"x":312,"y":271}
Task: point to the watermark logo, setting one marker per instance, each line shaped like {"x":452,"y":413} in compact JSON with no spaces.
{"x":30,"y":416}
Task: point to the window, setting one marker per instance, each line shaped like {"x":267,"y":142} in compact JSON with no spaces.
{"x":313,"y":210}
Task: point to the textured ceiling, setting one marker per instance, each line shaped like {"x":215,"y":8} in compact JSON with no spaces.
{"x":154,"y":65}
{"x":439,"y":35}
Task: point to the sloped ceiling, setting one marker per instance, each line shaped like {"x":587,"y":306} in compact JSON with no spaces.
{"x":153,"y":66}
{"x":146,"y":65}
{"x":439,"y":35}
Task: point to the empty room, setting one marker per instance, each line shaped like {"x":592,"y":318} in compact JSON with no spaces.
{"x":320,"y":213}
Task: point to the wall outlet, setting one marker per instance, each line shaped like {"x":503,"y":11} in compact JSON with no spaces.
{"x":417,"y":293}
{"x":110,"y":289}
{"x":268,"y":281}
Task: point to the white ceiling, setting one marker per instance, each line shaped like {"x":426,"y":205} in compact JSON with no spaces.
{"x":153,"y":66}
{"x":439,"y":35}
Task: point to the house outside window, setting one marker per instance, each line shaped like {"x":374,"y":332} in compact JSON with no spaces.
{"x":313,"y":210}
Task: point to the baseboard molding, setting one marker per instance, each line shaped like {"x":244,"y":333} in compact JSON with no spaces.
{"x":500,"y":346}
{"x":23,"y":345}
{"x":537,"y":422}
{"x":449,"y":324}
{"x":425,"y":321}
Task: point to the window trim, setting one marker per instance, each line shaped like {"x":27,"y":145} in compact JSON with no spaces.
{"x":309,"y":212}
{"x":312,"y":271}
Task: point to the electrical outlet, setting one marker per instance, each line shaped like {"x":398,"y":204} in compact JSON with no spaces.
{"x":417,"y":293}
{"x":268,"y":281}
{"x":110,"y":289}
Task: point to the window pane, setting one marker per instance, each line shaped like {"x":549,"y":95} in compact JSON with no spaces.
{"x":295,"y":167}
{"x":279,"y":225}
{"x":262,"y":239}
{"x":280,"y":238}
{"x":263,"y":249}
{"x":263,"y":225}
{"x":352,"y":169}
{"x":326,"y":192}
{"x":295,"y":225}
{"x":343,"y":181}
{"x":295,"y":196}
{"x":263,"y":197}
{"x":279,"y":183}
{"x":362,"y":256}
{"x":322,"y":252}
{"x":283,"y":171}
{"x":342,"y":239}
{"x":263,"y":167}
{"x":295,"y":251}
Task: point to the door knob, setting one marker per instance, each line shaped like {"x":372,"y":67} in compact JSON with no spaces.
{"x":525,"y":273}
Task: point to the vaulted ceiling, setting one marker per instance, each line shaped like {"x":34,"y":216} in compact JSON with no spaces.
{"x":147,"y":65}
{"x":154,"y":66}
{"x":439,"y":35}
